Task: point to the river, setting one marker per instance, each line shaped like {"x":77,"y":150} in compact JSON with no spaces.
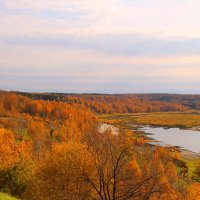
{"x":186,"y":139}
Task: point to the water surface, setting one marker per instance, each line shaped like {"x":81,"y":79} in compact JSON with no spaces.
{"x":187,"y":139}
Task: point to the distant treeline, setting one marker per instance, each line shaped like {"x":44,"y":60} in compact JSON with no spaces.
{"x":189,"y":100}
{"x":121,"y":103}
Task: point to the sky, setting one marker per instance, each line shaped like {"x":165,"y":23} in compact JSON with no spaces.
{"x":101,"y":46}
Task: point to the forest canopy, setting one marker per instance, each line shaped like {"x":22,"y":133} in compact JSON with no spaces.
{"x":53,"y":150}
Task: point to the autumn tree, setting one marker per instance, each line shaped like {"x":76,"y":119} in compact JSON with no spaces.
{"x":193,"y":192}
{"x":39,"y":136}
{"x":15,"y":163}
{"x":59,"y":175}
{"x":119,"y":174}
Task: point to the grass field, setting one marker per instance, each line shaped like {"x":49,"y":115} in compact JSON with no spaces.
{"x":185,"y":120}
{"x":169,"y":119}
{"x":4,"y":196}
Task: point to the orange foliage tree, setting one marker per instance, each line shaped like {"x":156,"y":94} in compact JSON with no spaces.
{"x":15,"y":163}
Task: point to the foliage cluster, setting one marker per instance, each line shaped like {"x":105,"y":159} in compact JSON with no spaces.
{"x":54,"y":151}
{"x":118,"y":103}
{"x":4,"y":196}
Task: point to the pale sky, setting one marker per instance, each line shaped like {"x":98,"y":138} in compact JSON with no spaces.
{"x":104,"y":46}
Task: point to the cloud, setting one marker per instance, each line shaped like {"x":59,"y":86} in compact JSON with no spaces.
{"x":100,"y":45}
{"x":137,"y":81}
{"x":114,"y":44}
{"x":168,"y":18}
{"x":67,"y":70}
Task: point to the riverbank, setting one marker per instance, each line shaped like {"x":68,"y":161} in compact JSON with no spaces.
{"x":189,"y":159}
{"x":188,"y":155}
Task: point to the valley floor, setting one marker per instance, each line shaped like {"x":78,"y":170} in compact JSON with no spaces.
{"x":184,"y":120}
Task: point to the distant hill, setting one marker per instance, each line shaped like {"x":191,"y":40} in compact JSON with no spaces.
{"x":189,"y":100}
{"x":123,"y":103}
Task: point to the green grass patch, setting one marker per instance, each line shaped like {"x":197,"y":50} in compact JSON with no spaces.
{"x":4,"y":196}
{"x":192,"y":166}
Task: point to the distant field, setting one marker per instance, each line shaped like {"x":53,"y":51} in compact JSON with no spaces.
{"x":185,"y":120}
{"x":170,"y":119}
{"x":6,"y":197}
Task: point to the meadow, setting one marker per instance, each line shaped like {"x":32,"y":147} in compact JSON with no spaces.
{"x":189,"y":119}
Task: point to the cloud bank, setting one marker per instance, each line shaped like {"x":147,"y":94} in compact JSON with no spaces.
{"x":107,"y":46}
